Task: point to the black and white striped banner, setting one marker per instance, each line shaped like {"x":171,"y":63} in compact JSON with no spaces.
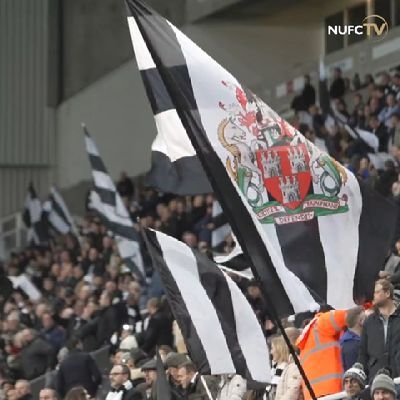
{"x":312,"y":233}
{"x":33,"y":218}
{"x":221,"y":226}
{"x":175,"y":167}
{"x":108,"y":204}
{"x":218,"y":324}
{"x":58,"y":214}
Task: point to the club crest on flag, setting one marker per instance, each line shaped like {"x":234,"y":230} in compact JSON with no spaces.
{"x":286,"y":173}
{"x":274,"y":166}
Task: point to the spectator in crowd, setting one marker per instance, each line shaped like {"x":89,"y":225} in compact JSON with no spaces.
{"x":354,"y":381}
{"x":394,"y":130}
{"x":193,"y":384}
{"x":289,"y":385}
{"x":386,"y":178}
{"x":256,"y":300}
{"x":37,"y":356}
{"x":77,"y":393}
{"x":137,"y":376}
{"x":368,"y":80}
{"x":383,"y":387}
{"x":133,"y":303}
{"x":77,"y":369}
{"x":23,"y":389}
{"x":54,"y":334}
{"x":172,"y":362}
{"x":231,"y":387}
{"x":280,"y":358}
{"x":128,"y":339}
{"x":391,"y":108}
{"x":338,"y":87}
{"x":380,"y":131}
{"x":93,"y":265}
{"x":395,"y":86}
{"x":159,"y":329}
{"x":12,"y":394}
{"x":320,"y":352}
{"x":48,"y":394}
{"x":391,"y":263}
{"x":350,"y":341}
{"x":121,"y":386}
{"x":125,"y":186}
{"x":381,"y":333}
{"x":106,"y":322}
{"x":306,"y":98}
{"x":148,"y":388}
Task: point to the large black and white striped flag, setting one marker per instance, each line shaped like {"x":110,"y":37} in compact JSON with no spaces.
{"x":221,"y":226}
{"x":220,"y":329}
{"x":175,"y":167}
{"x":312,"y":233}
{"x":108,"y":204}
{"x":58,"y":215}
{"x":34,"y":219}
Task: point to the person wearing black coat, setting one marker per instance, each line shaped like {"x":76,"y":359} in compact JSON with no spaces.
{"x":125,"y":186}
{"x":380,"y":338}
{"x":159,"y":329}
{"x":338,"y":86}
{"x":308,"y":93}
{"x":104,"y":324}
{"x":121,"y":386}
{"x":37,"y":356}
{"x":77,"y":369}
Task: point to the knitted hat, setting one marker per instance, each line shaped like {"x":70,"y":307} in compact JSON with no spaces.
{"x":383,"y":381}
{"x":356,"y":372}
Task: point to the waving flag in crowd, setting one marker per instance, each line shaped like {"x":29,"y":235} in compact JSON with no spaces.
{"x":202,"y":296}
{"x":58,"y":215}
{"x":108,"y":204}
{"x":312,"y":233}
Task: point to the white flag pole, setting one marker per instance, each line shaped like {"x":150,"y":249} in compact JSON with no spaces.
{"x":203,"y":381}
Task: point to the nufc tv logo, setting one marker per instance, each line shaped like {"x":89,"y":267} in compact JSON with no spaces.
{"x":374,"y":27}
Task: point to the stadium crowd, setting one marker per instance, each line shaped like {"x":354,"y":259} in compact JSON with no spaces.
{"x":90,"y":299}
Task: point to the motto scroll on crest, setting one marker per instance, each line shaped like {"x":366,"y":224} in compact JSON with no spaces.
{"x":284,"y":177}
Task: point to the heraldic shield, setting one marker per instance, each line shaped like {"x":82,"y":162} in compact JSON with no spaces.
{"x":286,"y":173}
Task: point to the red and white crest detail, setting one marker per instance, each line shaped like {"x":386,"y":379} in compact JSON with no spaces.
{"x":286,"y":173}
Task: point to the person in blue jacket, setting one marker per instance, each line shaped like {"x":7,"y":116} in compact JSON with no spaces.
{"x":350,"y":341}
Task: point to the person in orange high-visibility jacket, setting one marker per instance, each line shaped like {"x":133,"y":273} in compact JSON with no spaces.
{"x":320,"y":353}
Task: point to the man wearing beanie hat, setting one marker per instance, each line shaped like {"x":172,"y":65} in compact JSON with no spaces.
{"x":383,"y":387}
{"x":354,"y":381}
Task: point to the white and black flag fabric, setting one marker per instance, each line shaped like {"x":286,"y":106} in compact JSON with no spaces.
{"x":312,"y":233}
{"x":106,"y":201}
{"x":221,"y":226}
{"x":34,"y":219}
{"x":175,"y":167}
{"x":220,"y":328}
{"x":58,"y":215}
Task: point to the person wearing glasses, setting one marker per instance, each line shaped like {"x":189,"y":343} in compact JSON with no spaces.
{"x":121,"y":385}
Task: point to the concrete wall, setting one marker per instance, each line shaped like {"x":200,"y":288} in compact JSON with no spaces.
{"x":119,"y":118}
{"x":27,"y":145}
